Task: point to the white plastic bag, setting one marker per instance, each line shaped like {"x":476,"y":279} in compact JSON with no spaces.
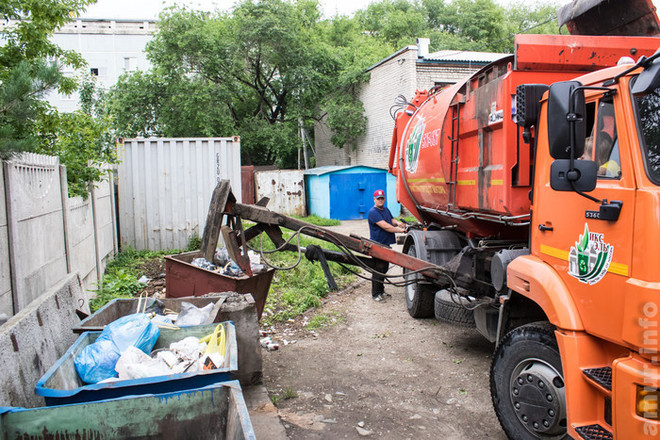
{"x":135,"y":364}
{"x":191,"y":315}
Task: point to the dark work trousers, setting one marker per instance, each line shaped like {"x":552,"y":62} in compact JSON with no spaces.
{"x":377,"y":286}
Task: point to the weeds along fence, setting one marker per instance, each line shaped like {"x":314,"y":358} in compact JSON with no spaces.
{"x":165,"y":187}
{"x":45,"y":235}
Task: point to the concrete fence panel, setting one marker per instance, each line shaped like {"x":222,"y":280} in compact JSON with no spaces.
{"x":45,"y":235}
{"x":36,"y":226}
{"x":80,"y":234}
{"x":165,"y":187}
{"x":6,"y":302}
{"x":104,"y":209}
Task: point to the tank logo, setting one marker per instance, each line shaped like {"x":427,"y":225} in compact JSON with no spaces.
{"x":495,"y":115}
{"x":590,"y":258}
{"x":413,"y":146}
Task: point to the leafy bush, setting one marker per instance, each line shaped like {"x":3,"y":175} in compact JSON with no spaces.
{"x":121,"y":276}
{"x":118,"y":284}
{"x":194,"y":243}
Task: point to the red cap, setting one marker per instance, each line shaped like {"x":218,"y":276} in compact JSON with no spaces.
{"x":379,"y":193}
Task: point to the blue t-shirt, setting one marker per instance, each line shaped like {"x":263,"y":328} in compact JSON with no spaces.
{"x":376,"y":233}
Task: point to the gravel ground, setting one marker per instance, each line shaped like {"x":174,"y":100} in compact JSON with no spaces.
{"x":376,"y":372}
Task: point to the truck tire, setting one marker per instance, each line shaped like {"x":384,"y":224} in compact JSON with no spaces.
{"x":527,"y":384}
{"x":419,"y":295}
{"x":447,"y":309}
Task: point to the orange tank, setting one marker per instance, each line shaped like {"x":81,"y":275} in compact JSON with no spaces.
{"x":459,"y":156}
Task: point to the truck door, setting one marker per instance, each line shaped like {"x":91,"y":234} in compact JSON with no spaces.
{"x":592,"y":256}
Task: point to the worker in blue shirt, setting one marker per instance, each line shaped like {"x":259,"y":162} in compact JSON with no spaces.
{"x":382,"y":227}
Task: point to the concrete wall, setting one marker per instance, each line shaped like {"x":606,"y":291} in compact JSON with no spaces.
{"x":284,"y":188}
{"x":45,"y":235}
{"x":110,"y":48}
{"x":34,"y":339}
{"x":6,"y":301}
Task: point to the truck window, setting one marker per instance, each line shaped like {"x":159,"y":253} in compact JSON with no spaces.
{"x":605,"y":141}
{"x":648,"y":115}
{"x":589,"y":118}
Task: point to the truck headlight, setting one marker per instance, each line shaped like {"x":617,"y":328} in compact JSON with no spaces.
{"x":647,"y":402}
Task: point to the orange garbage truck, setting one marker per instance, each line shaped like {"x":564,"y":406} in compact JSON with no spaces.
{"x":537,"y":180}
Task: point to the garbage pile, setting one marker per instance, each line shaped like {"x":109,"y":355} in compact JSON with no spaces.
{"x":123,"y":350}
{"x":224,"y":265}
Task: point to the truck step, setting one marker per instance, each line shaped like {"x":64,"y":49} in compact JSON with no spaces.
{"x":602,"y":376}
{"x":594,"y":432}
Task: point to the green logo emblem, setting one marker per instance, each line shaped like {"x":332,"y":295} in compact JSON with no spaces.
{"x":413,"y":146}
{"x":590,"y":258}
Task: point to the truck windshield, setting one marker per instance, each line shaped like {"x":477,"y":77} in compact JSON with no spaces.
{"x":648,"y":114}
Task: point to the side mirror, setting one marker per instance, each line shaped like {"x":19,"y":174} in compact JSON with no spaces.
{"x":583,"y":175}
{"x":648,"y":80}
{"x":564,"y":118}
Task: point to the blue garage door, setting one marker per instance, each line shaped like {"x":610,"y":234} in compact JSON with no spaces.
{"x":351,"y":195}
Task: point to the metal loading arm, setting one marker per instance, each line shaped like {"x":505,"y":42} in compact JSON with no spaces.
{"x":270,"y":223}
{"x":223,"y":204}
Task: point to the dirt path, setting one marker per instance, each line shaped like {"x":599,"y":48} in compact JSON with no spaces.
{"x":379,"y":370}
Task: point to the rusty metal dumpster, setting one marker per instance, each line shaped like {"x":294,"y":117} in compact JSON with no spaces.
{"x":184,"y":279}
{"x":217,"y":411}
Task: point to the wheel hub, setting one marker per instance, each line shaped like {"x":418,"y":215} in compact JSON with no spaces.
{"x":538,"y":396}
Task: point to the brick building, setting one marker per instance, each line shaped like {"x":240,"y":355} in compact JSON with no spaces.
{"x":402,"y":73}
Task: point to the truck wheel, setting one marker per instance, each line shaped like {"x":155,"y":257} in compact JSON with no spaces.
{"x":447,"y":309}
{"x":419,"y":295}
{"x":527,"y":385}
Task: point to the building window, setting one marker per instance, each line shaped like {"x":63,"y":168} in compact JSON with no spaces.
{"x":129,"y":64}
{"x":94,"y":71}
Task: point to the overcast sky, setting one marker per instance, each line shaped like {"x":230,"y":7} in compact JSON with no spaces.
{"x":148,"y":9}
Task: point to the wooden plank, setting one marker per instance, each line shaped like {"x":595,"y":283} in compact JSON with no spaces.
{"x":234,"y":250}
{"x":221,"y":197}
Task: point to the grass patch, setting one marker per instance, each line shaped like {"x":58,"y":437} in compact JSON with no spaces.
{"x":292,"y":292}
{"x":301,"y":288}
{"x":122,"y":274}
{"x":318,"y":221}
{"x":324,"y":320}
{"x":286,"y":394}
{"x":410,"y":220}
{"x":289,"y":393}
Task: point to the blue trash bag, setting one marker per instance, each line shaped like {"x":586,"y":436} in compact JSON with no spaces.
{"x":97,"y":361}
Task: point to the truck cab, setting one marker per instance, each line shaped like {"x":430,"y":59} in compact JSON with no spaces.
{"x":592,"y":267}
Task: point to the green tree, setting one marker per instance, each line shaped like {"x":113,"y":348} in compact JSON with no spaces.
{"x":268,"y":64}
{"x":83,"y":139}
{"x":256,"y":72}
{"x":534,"y":18}
{"x":21,"y":105}
{"x":25,"y":75}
